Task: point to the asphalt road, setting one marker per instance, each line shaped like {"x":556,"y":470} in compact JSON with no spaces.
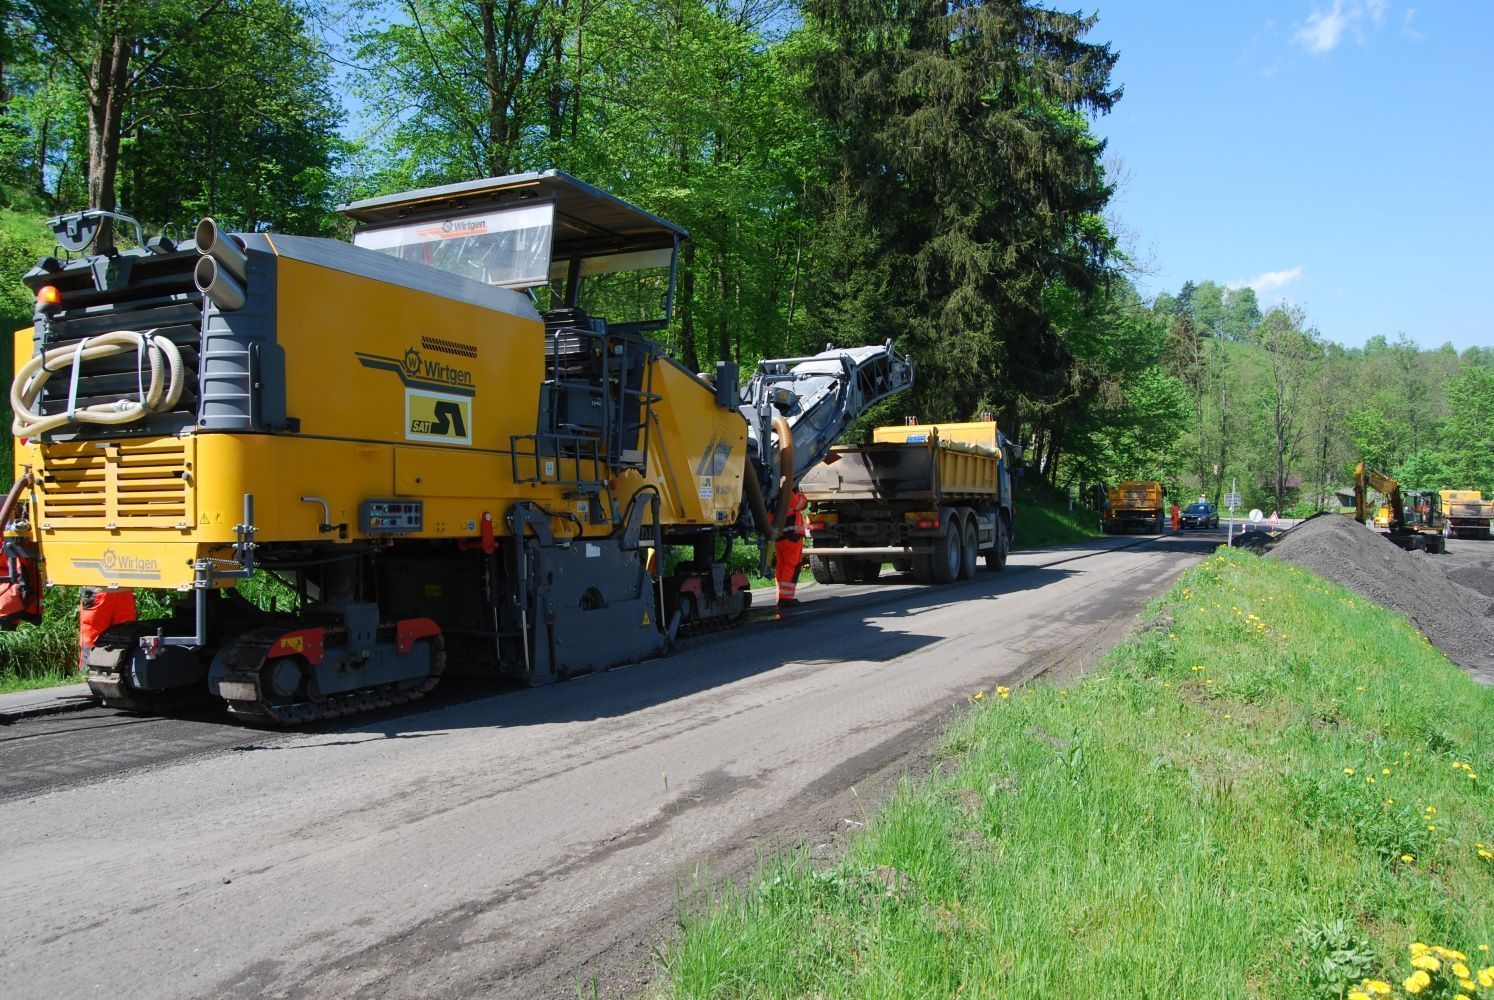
{"x":513,"y":842}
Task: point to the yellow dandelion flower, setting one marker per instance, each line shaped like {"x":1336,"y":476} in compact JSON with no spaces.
{"x":1390,"y":802}
{"x":1378,"y":987}
{"x":1416,"y":982}
{"x":1467,"y":984}
{"x":1483,"y":947}
{"x":1432,"y":828}
{"x":1431,"y":963}
{"x":1460,"y":970}
{"x":1485,"y":854}
{"x":1369,"y":779}
{"x":1197,"y":666}
{"x":1349,"y":771}
{"x":1461,"y":996}
{"x":1408,"y":859}
{"x":979,"y":695}
{"x":1358,"y":995}
{"x":1486,"y":977}
{"x":1384,"y":770}
{"x":1417,"y":948}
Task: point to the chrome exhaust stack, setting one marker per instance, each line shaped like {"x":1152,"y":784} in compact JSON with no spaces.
{"x":223,"y":269}
{"x":214,"y":281}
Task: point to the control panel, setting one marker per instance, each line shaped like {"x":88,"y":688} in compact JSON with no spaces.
{"x":389,"y":517}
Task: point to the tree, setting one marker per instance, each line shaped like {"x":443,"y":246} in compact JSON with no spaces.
{"x":1241,"y":313}
{"x":1469,"y":437}
{"x":966,"y":184}
{"x":1292,"y":357}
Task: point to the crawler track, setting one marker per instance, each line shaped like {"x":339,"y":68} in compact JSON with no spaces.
{"x":249,"y":654}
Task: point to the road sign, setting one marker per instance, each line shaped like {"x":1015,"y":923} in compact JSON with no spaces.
{"x":1273,"y":519}
{"x":1232,"y":500}
{"x":1256,"y":516}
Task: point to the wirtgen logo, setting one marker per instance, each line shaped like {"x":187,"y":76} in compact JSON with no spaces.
{"x":115,"y":566}
{"x":417,"y":371}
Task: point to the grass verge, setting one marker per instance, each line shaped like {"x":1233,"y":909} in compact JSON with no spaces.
{"x":1043,"y":519}
{"x":1271,"y":790}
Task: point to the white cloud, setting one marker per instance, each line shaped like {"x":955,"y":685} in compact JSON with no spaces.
{"x":1269,"y":285}
{"x":1324,"y":29}
{"x":1409,"y":29}
{"x":1326,"y":26}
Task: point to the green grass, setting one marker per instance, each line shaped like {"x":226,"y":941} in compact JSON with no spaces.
{"x":1183,"y":823}
{"x":1043,"y":519}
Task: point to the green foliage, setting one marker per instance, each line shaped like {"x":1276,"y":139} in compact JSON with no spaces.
{"x":963,"y":190}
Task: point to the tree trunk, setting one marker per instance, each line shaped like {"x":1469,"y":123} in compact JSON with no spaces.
{"x":689,"y":355}
{"x":107,"y":79}
{"x":495,"y":164}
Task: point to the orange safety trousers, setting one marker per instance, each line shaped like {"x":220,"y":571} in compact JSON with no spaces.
{"x":97,"y":611}
{"x":790,"y":553}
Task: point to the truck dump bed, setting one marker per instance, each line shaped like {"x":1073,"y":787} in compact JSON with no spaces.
{"x":1136,"y":496}
{"x":925,"y":463}
{"x":1468,"y":513}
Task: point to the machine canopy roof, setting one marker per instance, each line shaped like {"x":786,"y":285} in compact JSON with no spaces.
{"x":589,"y":222}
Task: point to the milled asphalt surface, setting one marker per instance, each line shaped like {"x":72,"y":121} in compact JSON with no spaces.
{"x":512,"y":842}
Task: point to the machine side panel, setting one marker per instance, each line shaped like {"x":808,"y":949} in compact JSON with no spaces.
{"x":373,"y":361}
{"x":697,"y":451}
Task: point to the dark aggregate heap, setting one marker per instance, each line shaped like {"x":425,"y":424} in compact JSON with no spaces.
{"x":1416,"y":584}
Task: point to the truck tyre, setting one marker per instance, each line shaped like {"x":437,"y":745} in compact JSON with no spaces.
{"x":970,"y":551}
{"x":923,"y":569}
{"x":820,"y":569}
{"x":996,"y":554}
{"x":840,"y":570}
{"x":1159,"y":523}
{"x":945,"y":559}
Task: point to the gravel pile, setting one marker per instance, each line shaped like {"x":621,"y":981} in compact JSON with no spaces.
{"x":1454,"y":616}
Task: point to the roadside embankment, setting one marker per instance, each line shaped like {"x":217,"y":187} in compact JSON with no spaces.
{"x":1274,"y":788}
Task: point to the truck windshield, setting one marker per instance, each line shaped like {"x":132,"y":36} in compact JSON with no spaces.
{"x":508,"y":247}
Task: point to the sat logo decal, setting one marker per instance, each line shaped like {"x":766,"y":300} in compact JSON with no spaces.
{"x":437,"y":417}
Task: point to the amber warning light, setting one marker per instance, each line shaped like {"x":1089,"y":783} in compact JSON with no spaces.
{"x":48,"y":295}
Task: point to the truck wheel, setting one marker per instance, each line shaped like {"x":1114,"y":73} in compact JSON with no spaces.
{"x":840,"y":570}
{"x":945,"y":559}
{"x":1159,"y":522}
{"x":996,"y":555}
{"x":820,"y":570}
{"x":970,"y":551}
{"x":923,"y":569}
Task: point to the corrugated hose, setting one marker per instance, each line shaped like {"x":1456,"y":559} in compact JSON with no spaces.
{"x":152,"y":351}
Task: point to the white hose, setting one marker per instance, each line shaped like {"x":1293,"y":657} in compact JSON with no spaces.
{"x":165,"y":388}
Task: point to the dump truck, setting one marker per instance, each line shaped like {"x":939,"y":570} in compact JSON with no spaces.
{"x":1468,"y":513}
{"x":452,"y":443}
{"x":934,"y":500}
{"x":1415,"y":520}
{"x":1135,"y":505}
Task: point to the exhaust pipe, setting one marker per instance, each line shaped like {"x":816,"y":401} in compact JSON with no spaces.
{"x":227,"y":251}
{"x":214,"y":281}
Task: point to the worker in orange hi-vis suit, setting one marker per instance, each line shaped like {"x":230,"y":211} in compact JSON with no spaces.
{"x":98,"y":609}
{"x":1175,"y":517}
{"x":790,"y":550}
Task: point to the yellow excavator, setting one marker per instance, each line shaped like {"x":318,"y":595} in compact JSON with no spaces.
{"x":1416,"y":520}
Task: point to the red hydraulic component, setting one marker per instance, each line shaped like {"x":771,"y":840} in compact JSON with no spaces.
{"x":409,"y":631}
{"x":308,"y":643}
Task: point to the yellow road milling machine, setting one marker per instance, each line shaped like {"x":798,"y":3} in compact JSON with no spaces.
{"x":452,"y":441}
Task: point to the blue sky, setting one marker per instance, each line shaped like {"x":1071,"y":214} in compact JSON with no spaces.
{"x":1333,"y":153}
